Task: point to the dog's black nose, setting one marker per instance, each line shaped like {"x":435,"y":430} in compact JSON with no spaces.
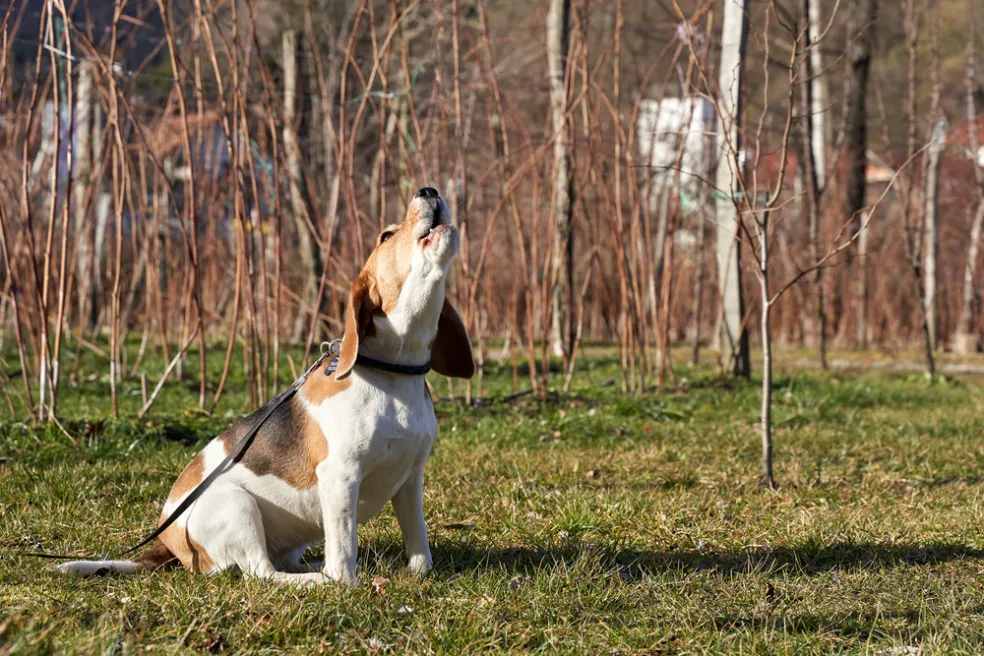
{"x":427,"y":192}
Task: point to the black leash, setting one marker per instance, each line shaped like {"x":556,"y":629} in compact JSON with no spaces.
{"x":332,"y":348}
{"x":234,"y":457}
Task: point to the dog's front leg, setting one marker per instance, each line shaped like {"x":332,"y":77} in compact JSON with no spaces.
{"x":408,"y":503}
{"x":339,"y":494}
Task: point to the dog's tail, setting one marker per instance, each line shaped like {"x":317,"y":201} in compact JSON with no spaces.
{"x":155,"y":558}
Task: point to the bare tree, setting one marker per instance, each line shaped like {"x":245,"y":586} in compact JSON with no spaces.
{"x":861,"y":324}
{"x":308,"y":243}
{"x":931,"y":245}
{"x":814,"y":158}
{"x":734,"y":337}
{"x":913,"y":241}
{"x":856,"y":133}
{"x":967,"y":340}
{"x":84,"y":261}
{"x":562,"y":255}
{"x":816,"y":82}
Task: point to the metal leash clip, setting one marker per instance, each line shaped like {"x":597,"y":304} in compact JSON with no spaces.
{"x":331,"y":350}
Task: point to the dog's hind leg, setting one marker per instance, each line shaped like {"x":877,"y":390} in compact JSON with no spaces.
{"x":236,"y":537}
{"x":224,"y":529}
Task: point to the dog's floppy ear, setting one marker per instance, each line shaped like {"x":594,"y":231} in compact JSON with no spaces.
{"x":451,"y":354}
{"x":358,"y":319}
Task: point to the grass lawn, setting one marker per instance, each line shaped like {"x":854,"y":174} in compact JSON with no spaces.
{"x":593,"y":523}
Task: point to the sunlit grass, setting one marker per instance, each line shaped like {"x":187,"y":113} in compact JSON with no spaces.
{"x":588,"y":523}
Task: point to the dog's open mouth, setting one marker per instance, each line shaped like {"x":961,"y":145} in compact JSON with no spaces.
{"x":434,"y":233}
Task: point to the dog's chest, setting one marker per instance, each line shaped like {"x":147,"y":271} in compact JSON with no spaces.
{"x":383,"y":427}
{"x":376,"y":410}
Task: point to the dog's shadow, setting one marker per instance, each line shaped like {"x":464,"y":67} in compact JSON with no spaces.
{"x":631,"y":564}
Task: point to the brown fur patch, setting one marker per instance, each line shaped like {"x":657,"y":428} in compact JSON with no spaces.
{"x":190,"y":477}
{"x":175,"y":542}
{"x":157,"y":557}
{"x":319,"y":386}
{"x":180,"y":543}
{"x":451,"y":353}
{"x":290,"y":444}
{"x":390,"y":265}
{"x":362,"y":303}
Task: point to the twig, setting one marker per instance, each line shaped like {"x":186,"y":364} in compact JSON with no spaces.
{"x":170,"y":367}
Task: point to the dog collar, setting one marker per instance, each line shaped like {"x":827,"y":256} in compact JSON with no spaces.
{"x":334,"y":348}
{"x":405,"y":369}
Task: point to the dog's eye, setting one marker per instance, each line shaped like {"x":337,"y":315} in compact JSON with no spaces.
{"x":386,"y":234}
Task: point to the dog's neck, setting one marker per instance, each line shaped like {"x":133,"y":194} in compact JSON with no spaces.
{"x":406,"y":333}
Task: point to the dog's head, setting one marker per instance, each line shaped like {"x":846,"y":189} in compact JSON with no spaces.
{"x":397,"y":308}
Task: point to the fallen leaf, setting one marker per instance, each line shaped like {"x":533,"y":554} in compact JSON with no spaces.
{"x":379,"y":583}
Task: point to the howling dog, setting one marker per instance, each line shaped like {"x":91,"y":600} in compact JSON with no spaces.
{"x":356,"y":434}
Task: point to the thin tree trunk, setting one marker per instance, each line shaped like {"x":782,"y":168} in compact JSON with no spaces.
{"x":862,"y":318}
{"x":100,"y":213}
{"x":913,"y":233}
{"x":856,"y":135}
{"x":307,"y":244}
{"x":68,"y":89}
{"x":813,"y":172}
{"x":931,"y":197}
{"x":766,"y":419}
{"x":698,"y":286}
{"x":659,"y":248}
{"x":120,"y":181}
{"x":813,"y":227}
{"x":83,"y":259}
{"x":967,"y":340}
{"x":104,"y":204}
{"x":46,"y":390}
{"x":734,"y":338}
{"x":817,"y":88}
{"x":931,"y":236}
{"x":562,"y":261}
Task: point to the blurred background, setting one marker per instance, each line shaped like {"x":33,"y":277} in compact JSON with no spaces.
{"x":207,"y":177}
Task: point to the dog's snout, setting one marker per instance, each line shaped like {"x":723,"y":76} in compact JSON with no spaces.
{"x":427,"y":192}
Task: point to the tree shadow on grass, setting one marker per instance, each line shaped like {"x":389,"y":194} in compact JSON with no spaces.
{"x":629,"y":564}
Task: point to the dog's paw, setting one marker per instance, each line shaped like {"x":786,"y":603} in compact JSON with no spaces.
{"x":343,"y":576}
{"x":305,"y":580}
{"x":420,"y":564}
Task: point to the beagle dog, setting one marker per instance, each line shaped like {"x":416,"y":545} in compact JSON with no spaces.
{"x":345,"y":444}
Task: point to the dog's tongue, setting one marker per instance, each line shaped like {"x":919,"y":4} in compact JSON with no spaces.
{"x":434,"y":232}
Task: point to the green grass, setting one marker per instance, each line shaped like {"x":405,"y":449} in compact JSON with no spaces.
{"x":593,"y":523}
